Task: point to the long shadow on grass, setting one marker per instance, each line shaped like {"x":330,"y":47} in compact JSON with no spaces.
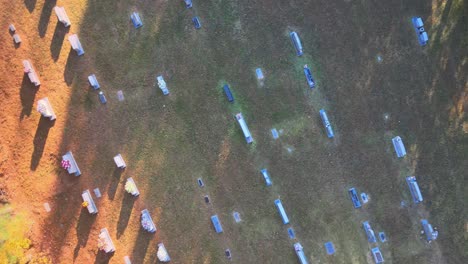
{"x":125,"y":212}
{"x":57,"y":40}
{"x":27,"y":94}
{"x":112,"y":188}
{"x":45,"y":17}
{"x":70,"y":67}
{"x":85,"y":223}
{"x":140,"y":247}
{"x":30,"y":4}
{"x":40,"y":139}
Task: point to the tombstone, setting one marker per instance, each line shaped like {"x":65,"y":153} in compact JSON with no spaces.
{"x":45,"y":109}
{"x":127,"y":260}
{"x":382,"y":237}
{"x":266,"y":176}
{"x":17,"y":38}
{"x":309,"y":78}
{"x":69,"y":163}
{"x":245,"y":128}
{"x":62,"y":16}
{"x":216,"y":224}
{"x":236,"y":216}
{"x":12,"y":28}
{"x":88,"y":202}
{"x":291,"y":233}
{"x":147,"y":222}
{"x":326,"y":123}
{"x":119,"y":161}
{"x":162,"y":85}
{"x":196,"y":22}
{"x":207,"y":199}
{"x":162,"y":254}
{"x":47,"y":207}
{"x":200,"y":182}
{"x":399,"y":146}
{"x":429,"y":231}
{"x":76,"y":44}
{"x":105,"y":242}
{"x":102,"y":97}
{"x":378,"y":258}
{"x":136,"y":20}
{"x":330,"y":248}
{"x":227,"y":252}
{"x":281,"y":211}
{"x":93,"y":81}
{"x":97,"y":193}
{"x":120,"y":96}
{"x":369,"y":232}
{"x":421,"y":33}
{"x":354,"y":198}
{"x":296,"y":42}
{"x":29,"y":70}
{"x":300,"y":253}
{"x":364,"y":198}
{"x":414,"y":189}
{"x":131,"y":188}
{"x":228,"y":93}
{"x":274,"y":133}
{"x":188,"y":3}
{"x":259,"y":74}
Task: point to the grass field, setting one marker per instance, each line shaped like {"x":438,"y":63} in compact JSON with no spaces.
{"x":169,"y":142}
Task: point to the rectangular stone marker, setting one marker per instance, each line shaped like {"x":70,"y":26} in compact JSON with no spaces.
{"x":207,"y":199}
{"x":120,"y":96}
{"x":97,"y":193}
{"x":200,"y":182}
{"x":237,"y":217}
{"x":291,"y":233}
{"x":47,"y":207}
{"x":274,"y":133}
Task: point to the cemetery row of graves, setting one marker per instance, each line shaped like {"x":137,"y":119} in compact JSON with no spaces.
{"x":105,"y":243}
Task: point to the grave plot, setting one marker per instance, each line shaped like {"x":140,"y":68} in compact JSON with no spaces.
{"x":309,"y":78}
{"x":93,"y":81}
{"x":131,"y":188}
{"x":266,"y":176}
{"x":244,"y":127}
{"x":105,"y":242}
{"x":147,"y":222}
{"x":300,"y":253}
{"x":399,"y":147}
{"x":330,"y":248}
{"x":216,"y":224}
{"x":162,"y":253}
{"x":282,"y":212}
{"x":69,"y":163}
{"x":326,"y":123}
{"x":136,"y":20}
{"x":119,"y":162}
{"x":76,"y":44}
{"x":88,"y":202}
{"x":414,"y":189}
{"x":32,"y":75}
{"x":45,"y":108}
{"x":354,"y":198}
{"x":297,"y":43}
{"x":162,"y":85}
{"x":429,"y":231}
{"x":62,"y":16}
{"x":421,"y":33}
